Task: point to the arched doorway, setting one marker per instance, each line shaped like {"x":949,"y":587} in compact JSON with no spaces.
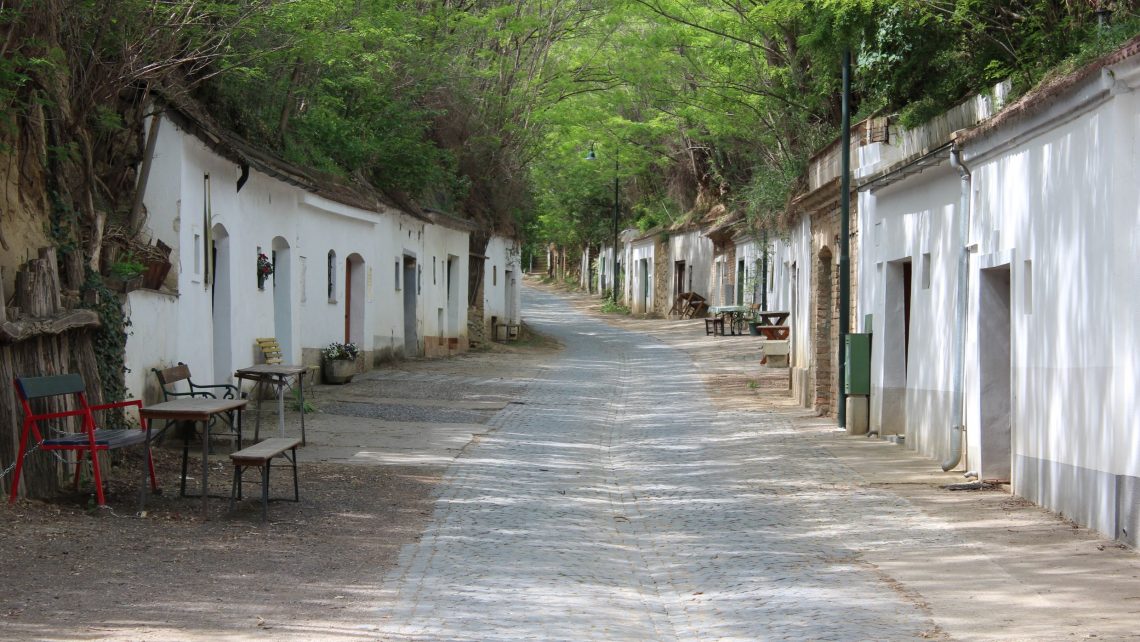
{"x":221,"y":293}
{"x":354,"y":296}
{"x":283,"y":298}
{"x":825,"y":375}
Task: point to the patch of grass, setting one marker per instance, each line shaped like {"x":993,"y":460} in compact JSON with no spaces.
{"x":308,"y":409}
{"x":611,"y":308}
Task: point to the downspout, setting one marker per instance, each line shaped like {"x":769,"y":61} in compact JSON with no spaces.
{"x":958,"y":372}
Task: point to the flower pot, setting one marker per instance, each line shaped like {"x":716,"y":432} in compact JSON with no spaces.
{"x":339,"y":371}
{"x":752,"y":329}
{"x":123,"y":284}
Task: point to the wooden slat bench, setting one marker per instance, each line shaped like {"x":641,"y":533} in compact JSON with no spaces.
{"x":261,"y":455}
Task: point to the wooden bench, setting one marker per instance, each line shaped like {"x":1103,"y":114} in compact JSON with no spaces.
{"x":261,"y":455}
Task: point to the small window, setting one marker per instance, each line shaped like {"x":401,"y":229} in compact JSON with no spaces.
{"x":332,"y":276}
{"x":494,"y":275}
{"x":397,"y":276}
{"x":197,"y":254}
{"x":433,"y":271}
{"x":926,"y":271}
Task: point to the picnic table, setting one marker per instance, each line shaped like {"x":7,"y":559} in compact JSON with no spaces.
{"x":771,"y":324}
{"x":732,"y":315}
{"x":771,"y":317}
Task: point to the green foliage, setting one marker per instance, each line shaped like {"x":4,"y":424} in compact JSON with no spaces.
{"x":110,"y":340}
{"x":127,"y":268}
{"x":609,"y":307}
{"x":306,"y":408}
{"x":921,"y":58}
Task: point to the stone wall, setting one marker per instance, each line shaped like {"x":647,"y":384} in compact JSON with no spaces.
{"x":662,"y":274}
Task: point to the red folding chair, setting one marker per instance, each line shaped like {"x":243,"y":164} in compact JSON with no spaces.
{"x":89,"y":441}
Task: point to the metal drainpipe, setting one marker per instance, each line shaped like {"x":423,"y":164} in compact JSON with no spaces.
{"x":958,"y":372}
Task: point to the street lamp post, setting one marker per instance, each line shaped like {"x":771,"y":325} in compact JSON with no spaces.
{"x":617,"y":212}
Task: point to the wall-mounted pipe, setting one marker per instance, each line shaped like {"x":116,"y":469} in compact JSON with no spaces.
{"x":957,"y":421}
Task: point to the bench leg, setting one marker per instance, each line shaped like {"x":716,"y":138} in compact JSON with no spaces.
{"x":296,"y":486}
{"x":235,"y":486}
{"x":98,"y":478}
{"x":257,"y":422}
{"x":78,"y":467}
{"x":185,"y":457}
{"x":265,"y":491}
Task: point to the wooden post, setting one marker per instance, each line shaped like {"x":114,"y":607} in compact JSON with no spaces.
{"x":45,"y":339}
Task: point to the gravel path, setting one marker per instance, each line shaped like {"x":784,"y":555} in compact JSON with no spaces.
{"x":618,"y":503}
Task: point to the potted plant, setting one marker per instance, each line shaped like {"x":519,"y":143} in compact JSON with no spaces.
{"x":264,"y":269}
{"x":126,"y":274}
{"x":339,"y":362}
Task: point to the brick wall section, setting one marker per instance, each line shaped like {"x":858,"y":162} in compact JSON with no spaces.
{"x":825,"y":290}
{"x":728,"y":290}
{"x":662,"y":272}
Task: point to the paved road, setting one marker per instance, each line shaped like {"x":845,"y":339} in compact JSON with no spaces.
{"x":618,"y":503}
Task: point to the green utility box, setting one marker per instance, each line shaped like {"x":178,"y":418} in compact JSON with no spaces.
{"x":857,"y":373}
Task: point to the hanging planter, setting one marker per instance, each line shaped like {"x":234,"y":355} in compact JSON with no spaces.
{"x":264,"y":270}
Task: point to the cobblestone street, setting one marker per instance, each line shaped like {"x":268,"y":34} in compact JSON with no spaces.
{"x":617,"y":503}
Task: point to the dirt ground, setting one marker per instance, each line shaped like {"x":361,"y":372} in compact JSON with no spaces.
{"x":72,"y":571}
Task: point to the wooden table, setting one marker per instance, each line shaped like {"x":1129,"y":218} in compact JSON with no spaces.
{"x":276,"y":375}
{"x":192,"y":409}
{"x":733,"y":316}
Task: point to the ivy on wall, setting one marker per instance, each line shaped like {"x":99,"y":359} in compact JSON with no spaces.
{"x":110,"y":340}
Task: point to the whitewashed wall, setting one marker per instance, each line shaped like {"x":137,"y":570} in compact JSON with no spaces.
{"x":799,"y":265}
{"x":445,"y":299}
{"x":913,"y":222}
{"x":584,"y":265}
{"x":501,"y":282}
{"x":213,"y":328}
{"x":696,"y":250}
{"x":640,"y":293}
{"x":777,"y":285}
{"x":604,"y":279}
{"x":1053,"y":207}
{"x":1055,"y":198}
